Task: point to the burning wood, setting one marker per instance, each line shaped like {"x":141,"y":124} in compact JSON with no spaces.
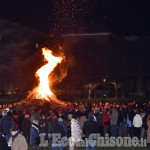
{"x":42,"y":93}
{"x":39,"y":104}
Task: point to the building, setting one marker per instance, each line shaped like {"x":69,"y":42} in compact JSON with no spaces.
{"x":124,"y":59}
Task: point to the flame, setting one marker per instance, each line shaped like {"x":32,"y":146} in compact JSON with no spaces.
{"x":43,"y":91}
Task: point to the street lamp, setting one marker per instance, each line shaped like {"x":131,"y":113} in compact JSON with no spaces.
{"x":104,"y":80}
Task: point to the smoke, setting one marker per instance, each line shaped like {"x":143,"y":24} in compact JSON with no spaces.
{"x":61,"y":70}
{"x":59,"y":73}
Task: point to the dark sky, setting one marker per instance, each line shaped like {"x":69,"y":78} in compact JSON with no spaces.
{"x":125,"y":17}
{"x":31,"y":13}
{"x":131,"y":17}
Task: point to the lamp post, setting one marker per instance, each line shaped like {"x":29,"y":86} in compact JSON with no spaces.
{"x":104,"y":80}
{"x":104,"y":87}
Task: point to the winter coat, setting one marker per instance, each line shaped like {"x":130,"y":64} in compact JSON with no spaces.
{"x":15,"y":120}
{"x":106,"y":119}
{"x":82,"y":120}
{"x":122,"y":117}
{"x":68,"y":124}
{"x":57,"y":129}
{"x":137,"y":121}
{"x":113,"y":117}
{"x":0,"y":120}
{"x":75,"y":130}
{"x":26,"y":125}
{"x":131,"y":115}
{"x":90,"y":127}
{"x":3,"y":143}
{"x":99,"y":118}
{"x":148,"y":132}
{"x":20,"y":120}
{"x":145,"y":126}
{"x":50,"y":124}
{"x":19,"y":143}
{"x":64,"y":126}
{"x":44,"y":128}
{"x":34,"y":135}
{"x":6,"y":124}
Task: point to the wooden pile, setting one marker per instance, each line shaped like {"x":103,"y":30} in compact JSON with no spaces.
{"x":38,"y":104}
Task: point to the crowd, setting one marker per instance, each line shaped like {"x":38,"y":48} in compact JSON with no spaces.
{"x":21,"y":128}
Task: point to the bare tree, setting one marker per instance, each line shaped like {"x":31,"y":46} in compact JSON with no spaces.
{"x":117,"y":86}
{"x":91,"y":86}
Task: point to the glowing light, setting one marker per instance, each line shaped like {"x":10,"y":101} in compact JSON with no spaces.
{"x":43,"y":91}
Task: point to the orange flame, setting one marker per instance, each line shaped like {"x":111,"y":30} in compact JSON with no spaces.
{"x":42,"y":91}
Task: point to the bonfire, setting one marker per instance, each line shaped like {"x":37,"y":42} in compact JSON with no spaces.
{"x":42,"y":95}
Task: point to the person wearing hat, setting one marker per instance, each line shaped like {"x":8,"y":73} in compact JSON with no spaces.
{"x":61,"y":122}
{"x":56,"y":129}
{"x":43,"y":126}
{"x":17,"y":141}
{"x":90,"y":127}
{"x":26,"y":125}
{"x":99,"y":118}
{"x":34,"y":135}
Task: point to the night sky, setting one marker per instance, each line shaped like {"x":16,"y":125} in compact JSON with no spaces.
{"x":30,"y":13}
{"x":128,"y":17}
{"x":116,"y":57}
